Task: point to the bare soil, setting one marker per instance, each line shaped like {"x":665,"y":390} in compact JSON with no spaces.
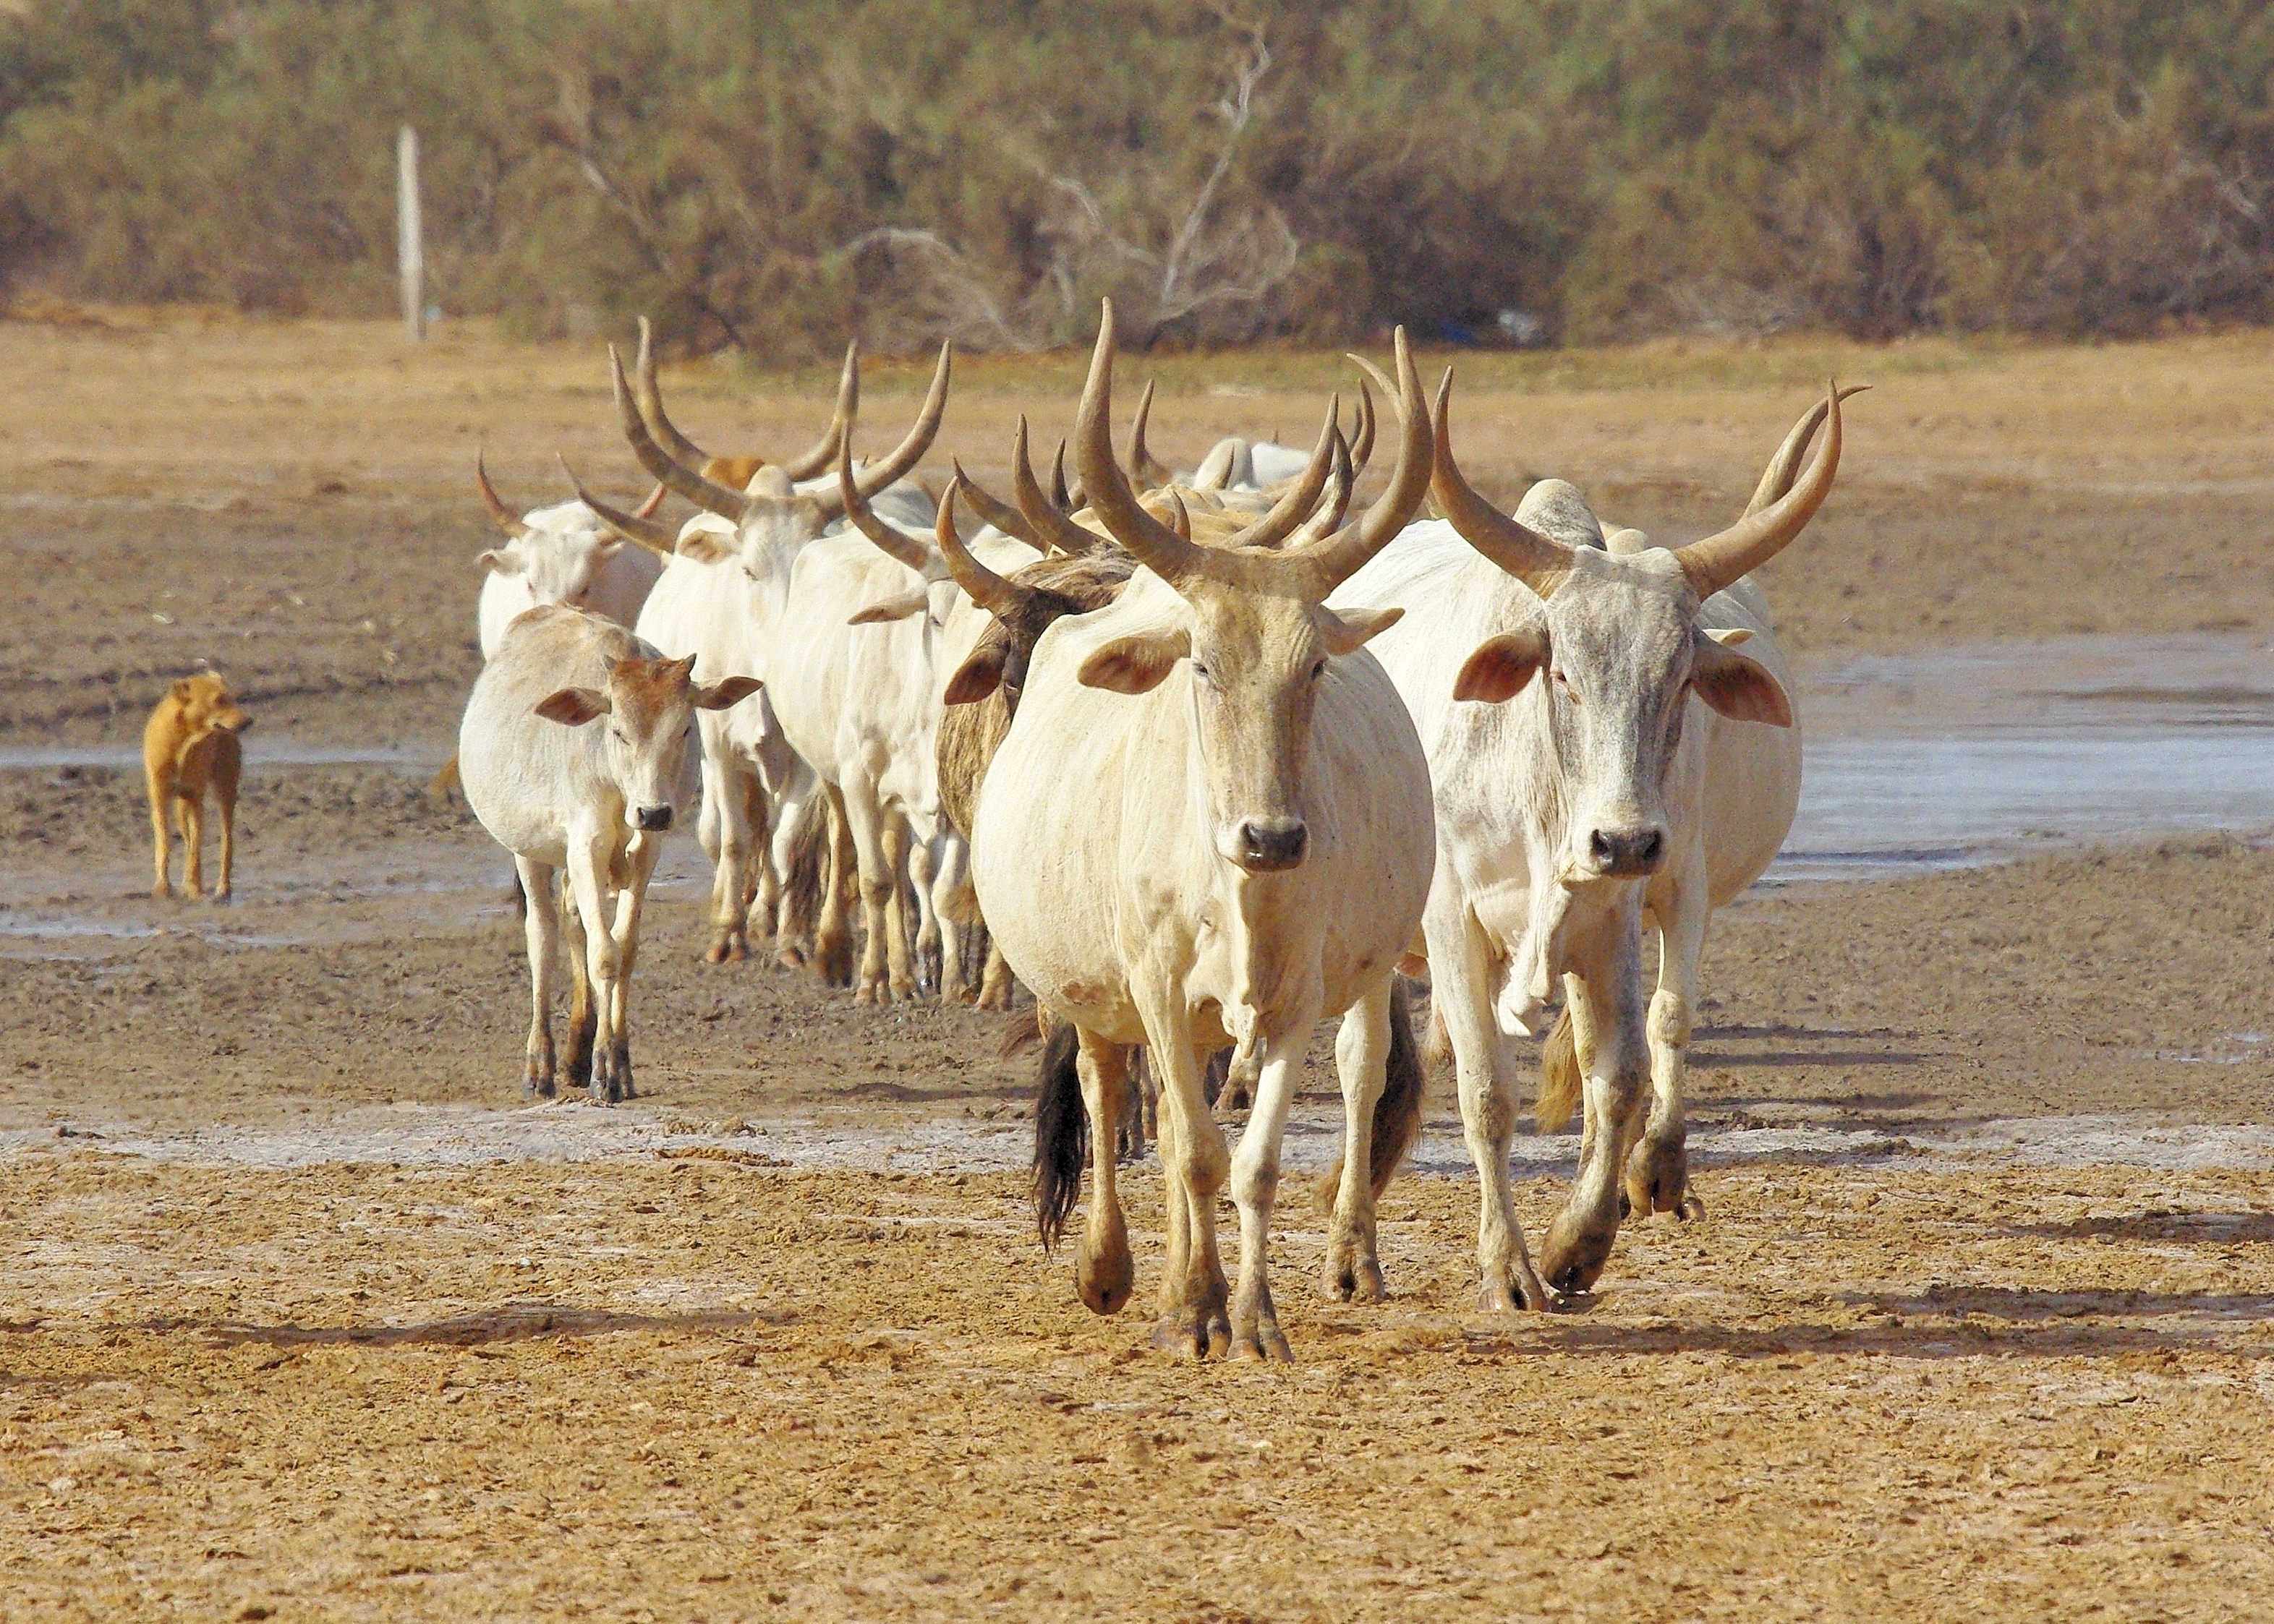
{"x":670,"y":1361}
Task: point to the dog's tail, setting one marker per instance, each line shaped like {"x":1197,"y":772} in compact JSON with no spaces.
{"x":445,"y":779}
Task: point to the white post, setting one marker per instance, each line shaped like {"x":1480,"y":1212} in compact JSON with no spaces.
{"x":409,"y":244}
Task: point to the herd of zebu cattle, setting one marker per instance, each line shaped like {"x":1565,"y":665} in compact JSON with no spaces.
{"x":1210,"y":755}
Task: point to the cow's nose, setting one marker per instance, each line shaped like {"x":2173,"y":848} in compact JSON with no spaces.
{"x":1627,"y":851}
{"x":653,"y":817}
{"x":1271,"y":843}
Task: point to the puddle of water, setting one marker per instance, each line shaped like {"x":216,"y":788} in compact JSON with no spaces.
{"x":1957,"y":758}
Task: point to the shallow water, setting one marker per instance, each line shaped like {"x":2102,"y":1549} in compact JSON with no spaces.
{"x":260,"y":751}
{"x":1969,"y":756}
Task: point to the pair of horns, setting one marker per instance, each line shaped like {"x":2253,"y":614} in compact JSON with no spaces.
{"x":1780,"y":510}
{"x":1145,"y":466}
{"x":650,"y":430}
{"x":640,"y":519}
{"x":1315,"y":562}
{"x":813,"y":460}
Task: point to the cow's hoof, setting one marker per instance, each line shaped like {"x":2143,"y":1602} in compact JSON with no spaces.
{"x":1193,"y":1334}
{"x":1352,"y":1277}
{"x":1572,"y":1258}
{"x":1657,"y":1176}
{"x":1260,"y":1339}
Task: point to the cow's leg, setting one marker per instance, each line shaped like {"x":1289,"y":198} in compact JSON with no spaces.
{"x":583,"y":1021}
{"x":1104,"y":1272}
{"x":763,"y":886}
{"x":917,"y":862}
{"x":1461,"y":996}
{"x":833,"y":932}
{"x":1604,"y":995}
{"x":639,"y":860}
{"x":726,"y":783}
{"x":162,"y":833}
{"x":1196,"y":1163}
{"x":541,"y":924}
{"x":996,"y":983}
{"x":1658,"y":1167}
{"x":955,"y":909}
{"x":1354,"y":1266}
{"x":884,"y":956}
{"x":224,"y":788}
{"x":588,"y":871}
{"x":1255,"y":1332}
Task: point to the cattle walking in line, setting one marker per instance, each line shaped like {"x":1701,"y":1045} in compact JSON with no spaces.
{"x":1611,"y":741}
{"x":1209,"y":824}
{"x":796,"y":609}
{"x":572,"y":753}
{"x":190,"y":746}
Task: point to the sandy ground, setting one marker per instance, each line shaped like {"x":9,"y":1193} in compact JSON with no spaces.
{"x":303,"y":1316}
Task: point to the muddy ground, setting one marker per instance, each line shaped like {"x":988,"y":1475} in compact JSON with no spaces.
{"x":303,"y":1316}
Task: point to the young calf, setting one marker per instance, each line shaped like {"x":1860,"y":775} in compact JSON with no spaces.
{"x":571,"y":755}
{"x":190,"y":745}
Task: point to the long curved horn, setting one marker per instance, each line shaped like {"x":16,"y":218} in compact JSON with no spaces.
{"x":650,"y":404}
{"x":1776,"y":478}
{"x":1311,"y":573}
{"x":1541,"y":563}
{"x":1331,"y":513}
{"x":707,"y":494}
{"x":505,"y":518}
{"x":1142,"y":464}
{"x":1361,"y":446}
{"x":900,"y":544}
{"x":1298,"y":501}
{"x":999,"y":598}
{"x":1154,"y":544}
{"x":1064,"y":498}
{"x":905,"y":455}
{"x":817,"y":458}
{"x":1328,"y":563}
{"x":992,"y":510}
{"x":1049,"y":519}
{"x":653,"y":534}
{"x":647,"y":509}
{"x":1753,"y":540}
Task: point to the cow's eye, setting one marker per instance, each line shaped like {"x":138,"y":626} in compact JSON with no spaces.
{"x":1319,"y":670}
{"x":1201,"y":672}
{"x":619,"y":735}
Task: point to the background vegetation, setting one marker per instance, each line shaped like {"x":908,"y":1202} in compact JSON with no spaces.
{"x":773,"y":173}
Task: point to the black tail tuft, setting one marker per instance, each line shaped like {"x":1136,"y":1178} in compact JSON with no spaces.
{"x":808,"y":867}
{"x":1397,"y":1113}
{"x":1061,"y":1134}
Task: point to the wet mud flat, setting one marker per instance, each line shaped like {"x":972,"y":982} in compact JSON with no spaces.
{"x":697,"y":1387}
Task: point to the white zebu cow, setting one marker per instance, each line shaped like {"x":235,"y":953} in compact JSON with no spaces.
{"x":804,"y":589}
{"x":1239,"y":470}
{"x":571,"y":755}
{"x":1601,"y":751}
{"x":1209,"y":824}
{"x":561,"y":555}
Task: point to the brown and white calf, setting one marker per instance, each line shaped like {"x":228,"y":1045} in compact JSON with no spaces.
{"x":572,"y":755}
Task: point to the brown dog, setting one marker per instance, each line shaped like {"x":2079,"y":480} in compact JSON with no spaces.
{"x":191,"y":745}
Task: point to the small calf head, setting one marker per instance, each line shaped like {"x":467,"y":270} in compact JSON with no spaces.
{"x":648,"y":704}
{"x":201,"y":706}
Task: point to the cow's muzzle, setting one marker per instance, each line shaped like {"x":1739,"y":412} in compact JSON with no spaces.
{"x":1626,"y":853}
{"x":1267,"y":844}
{"x":652,"y":818}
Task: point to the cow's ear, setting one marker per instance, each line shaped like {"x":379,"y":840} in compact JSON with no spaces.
{"x":1500,"y":667}
{"x":1134,"y":664}
{"x":977,"y":677}
{"x":899,"y":608}
{"x":704,"y":546}
{"x":1347,"y":631}
{"x":1737,"y":685}
{"x":718,"y":696}
{"x":573,"y":707}
{"x":500,"y":562}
